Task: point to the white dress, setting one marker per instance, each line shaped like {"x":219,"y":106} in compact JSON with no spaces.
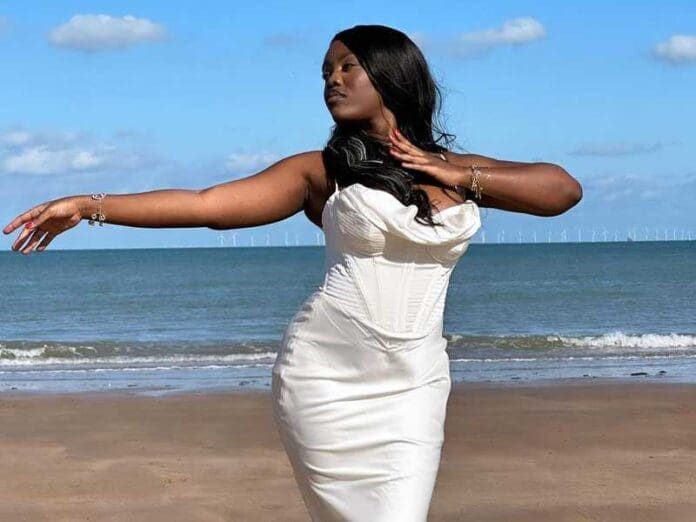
{"x":361,"y":381}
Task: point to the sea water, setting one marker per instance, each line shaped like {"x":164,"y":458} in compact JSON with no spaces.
{"x":194,"y":319}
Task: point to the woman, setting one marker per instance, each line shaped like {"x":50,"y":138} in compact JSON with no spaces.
{"x":361,"y":381}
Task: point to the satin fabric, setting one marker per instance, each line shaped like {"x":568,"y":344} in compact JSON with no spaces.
{"x":361,"y":380}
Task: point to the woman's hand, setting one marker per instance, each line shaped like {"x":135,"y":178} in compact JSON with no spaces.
{"x":43,"y":223}
{"x":429,"y":162}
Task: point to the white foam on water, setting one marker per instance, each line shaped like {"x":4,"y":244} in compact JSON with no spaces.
{"x":618,"y":339}
{"x":37,"y":357}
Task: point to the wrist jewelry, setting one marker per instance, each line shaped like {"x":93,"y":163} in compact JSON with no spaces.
{"x":98,"y":215}
{"x":475,"y":187}
{"x":475,"y":184}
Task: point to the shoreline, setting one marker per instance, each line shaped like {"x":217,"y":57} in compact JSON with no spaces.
{"x":585,"y":450}
{"x":146,"y":391}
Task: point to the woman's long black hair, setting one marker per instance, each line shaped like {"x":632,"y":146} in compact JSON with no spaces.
{"x":399,"y":72}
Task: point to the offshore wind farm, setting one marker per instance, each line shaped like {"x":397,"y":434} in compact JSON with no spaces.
{"x":246,"y":238}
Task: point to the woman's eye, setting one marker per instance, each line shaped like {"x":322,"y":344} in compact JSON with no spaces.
{"x":326,"y":73}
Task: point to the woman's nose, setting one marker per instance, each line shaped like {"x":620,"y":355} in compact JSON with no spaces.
{"x":331,"y":80}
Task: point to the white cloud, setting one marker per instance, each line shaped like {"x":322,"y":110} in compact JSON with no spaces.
{"x":103,"y":32}
{"x":680,"y":48}
{"x":243,"y":163}
{"x":514,"y":32}
{"x":629,"y":187}
{"x":26,"y":153}
{"x":615,"y":149}
{"x":15,"y":138}
{"x":620,"y":186}
{"x":42,"y":159}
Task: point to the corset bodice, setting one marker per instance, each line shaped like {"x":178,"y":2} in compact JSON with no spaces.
{"x":384,"y":268}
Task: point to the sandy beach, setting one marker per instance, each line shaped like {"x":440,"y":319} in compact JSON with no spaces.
{"x":562,"y":452}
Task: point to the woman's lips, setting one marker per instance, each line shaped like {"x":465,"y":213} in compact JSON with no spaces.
{"x":334,"y":98}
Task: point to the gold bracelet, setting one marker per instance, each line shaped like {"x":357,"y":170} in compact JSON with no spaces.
{"x":475,"y":184}
{"x":475,"y":187}
{"x":98,"y":215}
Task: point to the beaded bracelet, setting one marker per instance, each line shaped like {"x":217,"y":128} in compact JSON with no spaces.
{"x":98,"y":215}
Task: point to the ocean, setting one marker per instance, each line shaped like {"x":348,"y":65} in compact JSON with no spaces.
{"x":157,"y":321}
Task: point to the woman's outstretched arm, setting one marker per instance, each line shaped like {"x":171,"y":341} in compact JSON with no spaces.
{"x":271,"y":195}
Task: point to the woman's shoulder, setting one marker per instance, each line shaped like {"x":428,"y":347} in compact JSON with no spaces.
{"x":320,"y":184}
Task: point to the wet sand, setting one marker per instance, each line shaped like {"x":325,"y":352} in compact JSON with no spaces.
{"x":554,"y":452}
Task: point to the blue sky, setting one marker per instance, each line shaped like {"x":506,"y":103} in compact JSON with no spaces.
{"x":156,"y":95}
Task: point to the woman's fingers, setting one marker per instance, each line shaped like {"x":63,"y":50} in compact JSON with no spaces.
{"x":24,"y":239}
{"x":406,"y":156}
{"x":45,"y":241}
{"x":397,"y":141}
{"x":24,"y":217}
{"x":405,"y":145}
{"x":34,"y":241}
{"x":24,"y":248}
{"x":23,"y":235}
{"x":47,"y":221}
{"x":37,"y":218}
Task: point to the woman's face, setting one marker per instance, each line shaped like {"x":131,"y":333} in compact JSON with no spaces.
{"x":342,"y":71}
